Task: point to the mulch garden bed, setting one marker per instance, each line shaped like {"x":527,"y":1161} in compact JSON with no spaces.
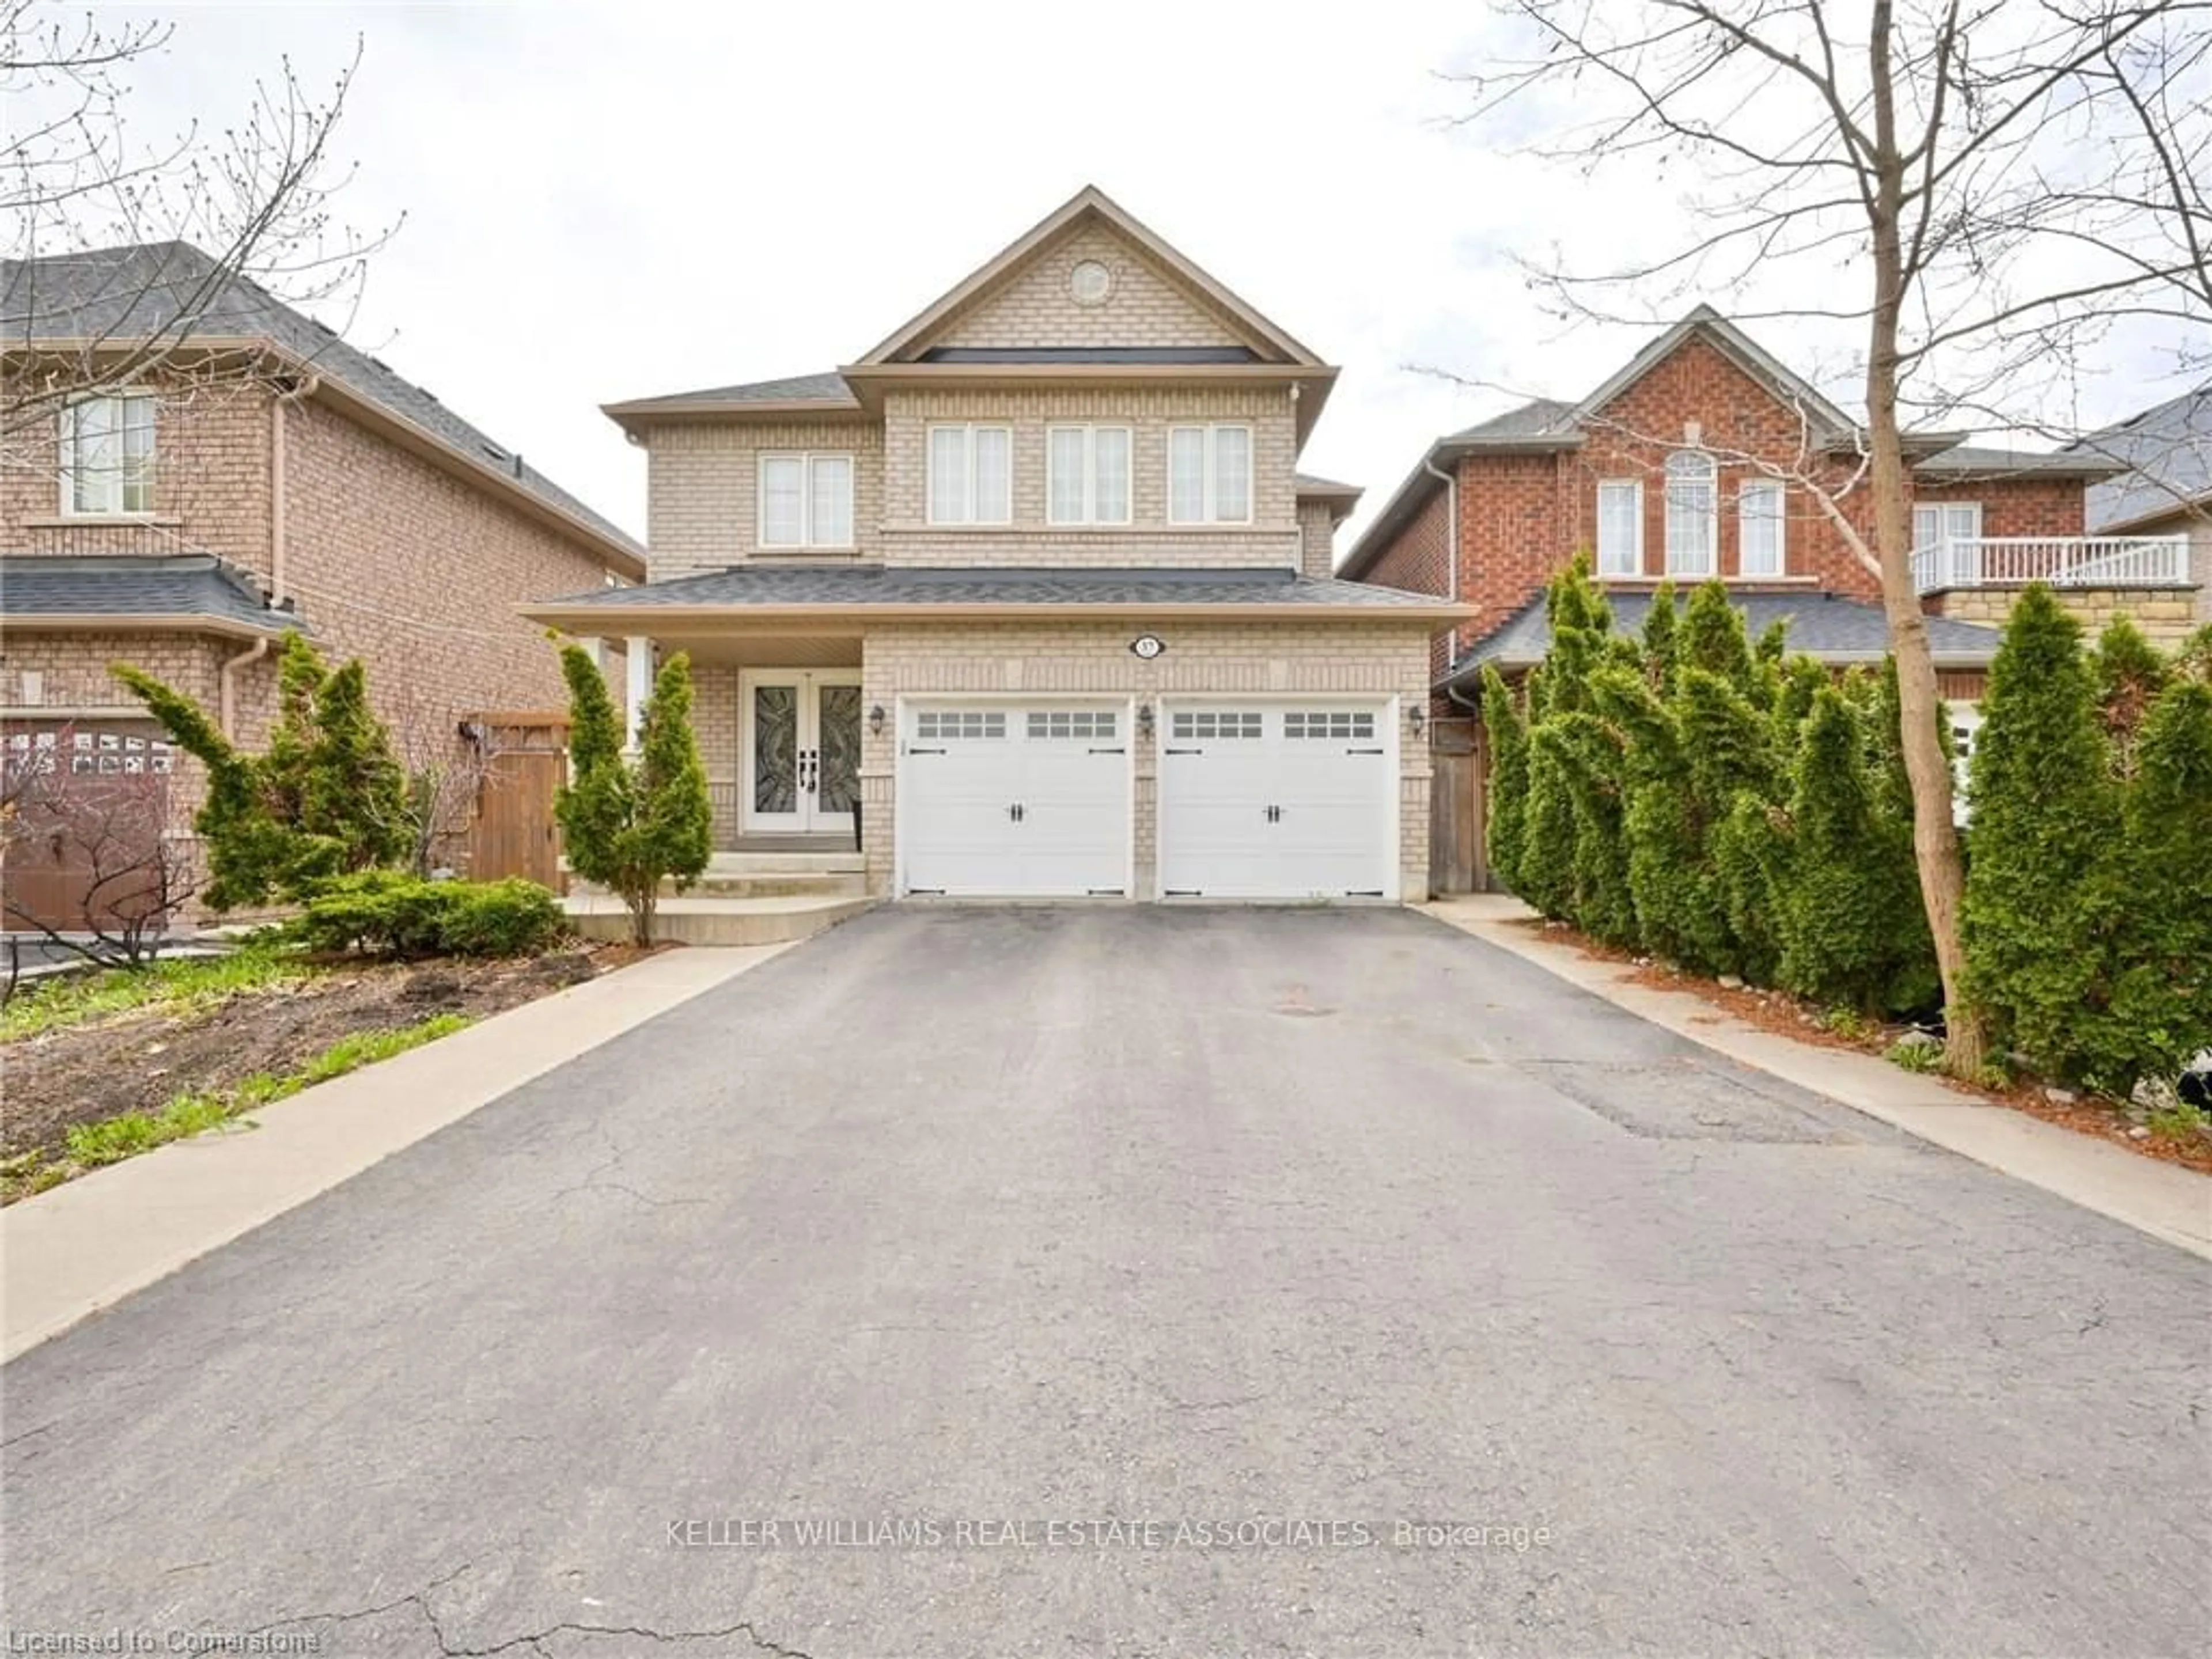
{"x":141,"y":1060}
{"x":1784,"y":1015}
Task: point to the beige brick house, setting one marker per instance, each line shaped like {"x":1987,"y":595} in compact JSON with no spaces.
{"x":1031,"y":599}
{"x":257,"y":475}
{"x":1703,"y":456}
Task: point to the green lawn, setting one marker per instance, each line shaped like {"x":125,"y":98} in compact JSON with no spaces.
{"x":176,"y":986}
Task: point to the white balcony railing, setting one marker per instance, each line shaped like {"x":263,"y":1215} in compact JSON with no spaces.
{"x":2062,"y":561}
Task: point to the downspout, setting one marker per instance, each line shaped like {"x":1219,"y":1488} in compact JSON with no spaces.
{"x":1450,"y":480}
{"x":259,"y":648}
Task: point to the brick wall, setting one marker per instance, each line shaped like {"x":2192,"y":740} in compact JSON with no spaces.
{"x":1698,"y":386}
{"x":1146,"y":306}
{"x":418,"y":574}
{"x":210,"y":482}
{"x":1088,"y":659}
{"x":1316,"y":540}
{"x":703,"y":490}
{"x":2015,"y":507}
{"x":1420,"y":560}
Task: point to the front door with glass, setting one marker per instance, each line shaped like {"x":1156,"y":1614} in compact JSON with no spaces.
{"x":802,"y":750}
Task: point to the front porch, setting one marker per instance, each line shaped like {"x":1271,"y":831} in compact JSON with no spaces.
{"x":779,"y":720}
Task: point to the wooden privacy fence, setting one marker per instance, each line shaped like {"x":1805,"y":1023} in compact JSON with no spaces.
{"x":512,"y":832}
{"x":1457,"y":862}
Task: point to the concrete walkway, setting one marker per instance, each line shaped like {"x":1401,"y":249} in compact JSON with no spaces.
{"x":2162,"y":1200}
{"x":80,"y":1246}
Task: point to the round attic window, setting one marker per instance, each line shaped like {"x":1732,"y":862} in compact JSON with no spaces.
{"x":1090,"y":282}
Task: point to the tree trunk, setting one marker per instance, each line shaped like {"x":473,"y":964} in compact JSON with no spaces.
{"x":1927,"y":759}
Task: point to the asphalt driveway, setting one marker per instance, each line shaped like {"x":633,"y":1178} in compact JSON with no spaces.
{"x":1263,"y":1233}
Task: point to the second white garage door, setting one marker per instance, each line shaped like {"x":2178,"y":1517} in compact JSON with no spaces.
{"x":1015,"y":799}
{"x":1277,"y":801}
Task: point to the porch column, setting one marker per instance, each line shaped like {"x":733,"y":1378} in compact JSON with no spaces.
{"x":638,"y":657}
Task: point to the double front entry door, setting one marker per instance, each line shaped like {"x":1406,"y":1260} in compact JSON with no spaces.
{"x":802,"y":750}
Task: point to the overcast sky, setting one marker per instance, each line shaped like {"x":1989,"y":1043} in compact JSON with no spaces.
{"x":606,"y":202}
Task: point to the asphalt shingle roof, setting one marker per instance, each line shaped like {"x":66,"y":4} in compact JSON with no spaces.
{"x":184,"y":584}
{"x":879,"y":585}
{"x":1539,"y":417}
{"x":2170,"y":449}
{"x":160,"y":290}
{"x":831,"y":387}
{"x":1827,"y":626}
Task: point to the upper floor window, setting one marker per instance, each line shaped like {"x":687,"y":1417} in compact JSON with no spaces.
{"x":1209,"y":475}
{"x":806,"y":501}
{"x":971,"y":474}
{"x":1087,"y":469}
{"x":1758,"y":523}
{"x":1692,"y":481}
{"x":1619,"y":527}
{"x":107,"y":454}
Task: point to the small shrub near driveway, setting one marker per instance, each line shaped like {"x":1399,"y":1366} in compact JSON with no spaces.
{"x":385,"y":913}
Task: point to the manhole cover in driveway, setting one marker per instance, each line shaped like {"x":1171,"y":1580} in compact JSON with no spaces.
{"x":1692,"y":1100}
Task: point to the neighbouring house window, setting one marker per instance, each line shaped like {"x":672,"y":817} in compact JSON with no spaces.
{"x":107,"y":454}
{"x":1691,"y":488}
{"x":1087,"y":470}
{"x":1951,"y":532}
{"x":971,"y":474}
{"x":1619,"y":527}
{"x":806,"y":501}
{"x":1209,"y":475}
{"x":1758,"y":523}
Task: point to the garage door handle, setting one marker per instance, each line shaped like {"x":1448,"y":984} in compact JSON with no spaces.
{"x":1363,"y":751}
{"x":1110,"y":751}
{"x":1183,"y":752}
{"x":913,"y":750}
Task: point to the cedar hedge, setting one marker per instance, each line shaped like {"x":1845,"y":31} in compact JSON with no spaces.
{"x":1726,"y":806}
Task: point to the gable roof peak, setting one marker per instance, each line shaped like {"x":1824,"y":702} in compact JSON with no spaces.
{"x":1088,"y":202}
{"x":1786,"y":385}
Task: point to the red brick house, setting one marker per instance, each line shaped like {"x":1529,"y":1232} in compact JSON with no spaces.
{"x":206,"y":470}
{"x":1702,"y":457}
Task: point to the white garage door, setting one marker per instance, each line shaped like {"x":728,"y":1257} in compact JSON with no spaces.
{"x":1277,"y":801}
{"x":1015,"y":799}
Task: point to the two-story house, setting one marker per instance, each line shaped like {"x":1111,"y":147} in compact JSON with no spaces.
{"x":1705,"y":457}
{"x":193,"y":469}
{"x":1031,"y":599}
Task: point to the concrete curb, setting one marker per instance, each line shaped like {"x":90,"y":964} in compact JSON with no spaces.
{"x":85,"y":1245}
{"x":2163,"y":1199}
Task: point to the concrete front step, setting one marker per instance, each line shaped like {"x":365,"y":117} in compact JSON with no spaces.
{"x":715,"y":883}
{"x":692,"y":920}
{"x":764,"y":864}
